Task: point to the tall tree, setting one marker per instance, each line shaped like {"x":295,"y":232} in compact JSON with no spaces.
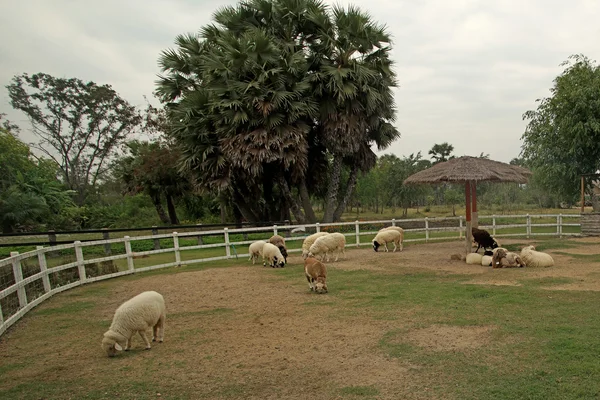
{"x":562,"y":138}
{"x":441,"y":152}
{"x":78,"y":124}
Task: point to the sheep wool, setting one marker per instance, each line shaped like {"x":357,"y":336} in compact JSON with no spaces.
{"x":387,"y":236}
{"x":533,"y":258}
{"x":316,"y":274}
{"x":324,"y":245}
{"x":273,"y":254}
{"x":486,"y":261}
{"x":473,"y":259}
{"x":255,"y":250}
{"x":398,"y":229}
{"x":136,"y":315}
{"x":309,"y":240}
{"x":506,"y":259}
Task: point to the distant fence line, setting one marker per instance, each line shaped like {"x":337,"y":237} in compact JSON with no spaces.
{"x":26,"y":280}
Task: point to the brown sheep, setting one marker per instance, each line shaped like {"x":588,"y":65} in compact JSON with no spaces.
{"x":506,"y":259}
{"x":279,"y":241}
{"x":316,"y":275}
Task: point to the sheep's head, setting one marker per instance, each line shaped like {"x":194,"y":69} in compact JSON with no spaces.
{"x":278,"y":262}
{"x":494,"y":244}
{"x":321,"y":286}
{"x":113,"y":343}
{"x":375,"y":245}
{"x":284,"y":252}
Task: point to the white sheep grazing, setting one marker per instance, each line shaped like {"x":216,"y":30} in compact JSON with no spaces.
{"x":396,"y":228}
{"x":273,"y":254}
{"x":473,"y":259}
{"x":309,"y":240}
{"x":279,"y":241}
{"x":486,"y":261}
{"x":533,"y":258}
{"x":255,"y":250}
{"x":334,"y":242}
{"x":316,"y":274}
{"x":386,"y":236}
{"x":138,"y":314}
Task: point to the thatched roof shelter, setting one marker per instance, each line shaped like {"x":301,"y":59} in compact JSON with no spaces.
{"x":470,"y":170}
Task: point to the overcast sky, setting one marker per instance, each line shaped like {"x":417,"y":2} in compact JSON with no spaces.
{"x":467,"y":69}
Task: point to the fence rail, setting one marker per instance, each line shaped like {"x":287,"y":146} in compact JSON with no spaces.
{"x":29,"y":278}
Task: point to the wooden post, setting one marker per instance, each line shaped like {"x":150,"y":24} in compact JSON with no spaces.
{"x":44,"y":268}
{"x":468,"y":233}
{"x":200,"y":242}
{"x":52,"y":237}
{"x":176,"y":248}
{"x":426,"y":229}
{"x":318,"y":227}
{"x":18,"y":273}
{"x":80,"y":263}
{"x":528,"y":226}
{"x":156,"y":241}
{"x":582,"y":194}
{"x":130,"y":266}
{"x":357,"y":229}
{"x":460,"y":226}
{"x":106,"y":236}
{"x":493,"y":225}
{"x":227,"y":248}
{"x":474,"y":218}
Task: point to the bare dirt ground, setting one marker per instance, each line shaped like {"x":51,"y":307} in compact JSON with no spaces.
{"x":239,"y":332}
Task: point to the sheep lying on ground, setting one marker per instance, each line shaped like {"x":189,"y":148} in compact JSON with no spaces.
{"x":273,"y":254}
{"x":473,"y":259}
{"x":279,"y":241}
{"x":309,"y":240}
{"x":398,"y":229}
{"x":533,"y":258}
{"x":483,"y":239}
{"x":136,"y":315}
{"x":506,"y":259}
{"x":486,"y":261}
{"x":334,"y":242}
{"x":255,"y":250}
{"x":316,"y":274}
{"x":386,"y":236}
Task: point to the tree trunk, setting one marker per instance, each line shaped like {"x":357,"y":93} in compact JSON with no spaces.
{"x":159,"y":208}
{"x":223,"y":207}
{"x":595,"y":201}
{"x":293,"y":203}
{"x":306,"y":204}
{"x":171,"y":210}
{"x":332,"y":191}
{"x":337,"y":215}
{"x":244,"y":208}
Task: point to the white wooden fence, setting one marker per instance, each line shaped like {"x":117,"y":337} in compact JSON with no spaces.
{"x":20,"y":293}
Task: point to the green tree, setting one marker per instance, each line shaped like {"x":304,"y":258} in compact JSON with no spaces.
{"x":78,"y":124}
{"x":441,"y":152}
{"x":562,"y":138}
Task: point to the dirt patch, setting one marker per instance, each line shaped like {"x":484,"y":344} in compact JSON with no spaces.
{"x":449,"y":338}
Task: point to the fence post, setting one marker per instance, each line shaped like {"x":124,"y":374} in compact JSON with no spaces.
{"x":129,"y":253}
{"x":274,"y":229}
{"x":176,"y":247}
{"x":357,"y":228}
{"x":156,"y":241}
{"x":18,"y":273}
{"x":393,"y":221}
{"x":44,"y":268}
{"x":227,"y":249}
{"x":52,"y":237}
{"x":200,"y":242}
{"x":460,"y":226}
{"x":559,"y":223}
{"x":106,"y":236}
{"x":80,"y":264}
{"x":494,"y":225}
{"x":426,"y":229}
{"x":528,"y":226}
{"x":318,"y":227}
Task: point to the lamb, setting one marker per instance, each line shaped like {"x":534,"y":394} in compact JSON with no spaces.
{"x":483,"y":239}
{"x":255,"y":250}
{"x":398,"y":229}
{"x":473,"y":258}
{"x":533,"y":258}
{"x":504,"y":259}
{"x":279,"y":241}
{"x":137,"y":314}
{"x":486,"y":261}
{"x":316,"y":274}
{"x":273,"y":254}
{"x":334,"y":242}
{"x":387,"y":236}
{"x":309,"y":240}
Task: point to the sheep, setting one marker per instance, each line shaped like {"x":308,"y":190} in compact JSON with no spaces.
{"x":387,"y":236}
{"x":255,"y":250}
{"x":334,"y":242}
{"x":533,"y":258}
{"x":457,"y":256}
{"x":309,"y":240}
{"x":316,"y":274}
{"x":137,"y":314}
{"x":504,"y":259}
{"x":279,"y":241}
{"x":483,"y":239}
{"x":398,"y":229}
{"x":273,"y":254}
{"x":486,"y":261}
{"x":473,"y":258}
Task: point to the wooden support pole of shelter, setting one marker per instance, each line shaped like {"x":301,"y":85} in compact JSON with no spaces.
{"x":582,"y":194}
{"x":468,"y":233}
{"x":474,"y":219}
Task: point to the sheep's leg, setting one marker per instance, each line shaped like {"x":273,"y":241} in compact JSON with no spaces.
{"x":145,"y":339}
{"x":395,"y":247}
{"x":385,"y":245}
{"x":401,"y":246}
{"x":160,"y":329}
{"x":337,"y":255}
{"x":309,"y":283}
{"x":128,"y":343}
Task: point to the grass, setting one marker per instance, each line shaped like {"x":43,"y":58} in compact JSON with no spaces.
{"x":541,"y":344}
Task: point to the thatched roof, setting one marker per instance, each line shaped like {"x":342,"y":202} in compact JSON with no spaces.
{"x":467,"y":168}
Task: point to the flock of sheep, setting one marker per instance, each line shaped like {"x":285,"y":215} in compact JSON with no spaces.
{"x":147,"y":310}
